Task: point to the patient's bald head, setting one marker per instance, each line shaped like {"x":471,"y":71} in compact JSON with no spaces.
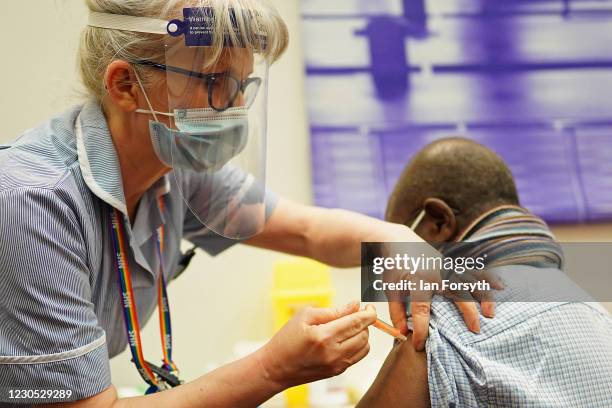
{"x":454,"y":180}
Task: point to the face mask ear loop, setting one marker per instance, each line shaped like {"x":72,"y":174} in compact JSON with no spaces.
{"x":145,"y":94}
{"x":418,"y":220}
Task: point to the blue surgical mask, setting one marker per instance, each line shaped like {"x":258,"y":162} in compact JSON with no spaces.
{"x":206,"y":139}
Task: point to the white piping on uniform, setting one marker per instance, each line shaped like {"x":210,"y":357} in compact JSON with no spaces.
{"x":52,"y":358}
{"x":87,"y":174}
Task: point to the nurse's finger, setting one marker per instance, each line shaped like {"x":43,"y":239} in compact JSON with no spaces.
{"x":487,"y":308}
{"x":353,"y":344}
{"x":420,"y":320}
{"x":397,"y":313}
{"x":470,"y":313}
{"x":316,"y":316}
{"x":359,"y":355}
{"x":487,"y":301}
{"x":350,"y":325}
{"x":492,"y":278}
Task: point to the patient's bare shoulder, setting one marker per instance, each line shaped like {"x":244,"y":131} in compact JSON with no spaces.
{"x":401,"y":382}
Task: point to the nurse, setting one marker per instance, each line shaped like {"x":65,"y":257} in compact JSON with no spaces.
{"x":95,"y":202}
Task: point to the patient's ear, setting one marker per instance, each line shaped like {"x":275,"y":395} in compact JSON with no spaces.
{"x":440,"y":220}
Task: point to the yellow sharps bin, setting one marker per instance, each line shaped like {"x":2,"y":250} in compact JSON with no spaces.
{"x":299,"y":282}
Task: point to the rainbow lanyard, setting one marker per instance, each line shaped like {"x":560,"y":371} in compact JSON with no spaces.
{"x":147,"y":370}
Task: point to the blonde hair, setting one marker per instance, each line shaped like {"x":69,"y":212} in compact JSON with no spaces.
{"x":261,"y":28}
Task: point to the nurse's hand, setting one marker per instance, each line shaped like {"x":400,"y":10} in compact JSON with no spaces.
{"x":420,"y":299}
{"x":420,"y":306}
{"x":317,"y":344}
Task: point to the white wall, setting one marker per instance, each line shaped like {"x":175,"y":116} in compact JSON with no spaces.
{"x":219,"y":301}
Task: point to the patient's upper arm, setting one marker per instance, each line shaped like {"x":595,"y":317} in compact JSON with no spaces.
{"x":401,"y":382}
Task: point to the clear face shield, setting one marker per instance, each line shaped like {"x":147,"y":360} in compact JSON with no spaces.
{"x":215,"y":132}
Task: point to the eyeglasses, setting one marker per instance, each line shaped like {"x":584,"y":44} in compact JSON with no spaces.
{"x":223,"y":89}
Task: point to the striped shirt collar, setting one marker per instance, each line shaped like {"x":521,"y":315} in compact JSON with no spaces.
{"x":98,"y":159}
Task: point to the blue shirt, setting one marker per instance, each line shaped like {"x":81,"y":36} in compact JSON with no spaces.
{"x":548,"y":353}
{"x":60,"y":314}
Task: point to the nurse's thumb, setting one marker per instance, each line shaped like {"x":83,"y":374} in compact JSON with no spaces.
{"x":326,"y":315}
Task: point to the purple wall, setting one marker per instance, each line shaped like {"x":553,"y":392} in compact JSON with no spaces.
{"x":530,"y":79}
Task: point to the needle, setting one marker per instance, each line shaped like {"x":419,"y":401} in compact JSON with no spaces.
{"x":387,"y":328}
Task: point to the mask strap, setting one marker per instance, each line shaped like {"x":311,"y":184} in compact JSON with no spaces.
{"x":147,"y":99}
{"x":149,"y":112}
{"x":418,"y":220}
